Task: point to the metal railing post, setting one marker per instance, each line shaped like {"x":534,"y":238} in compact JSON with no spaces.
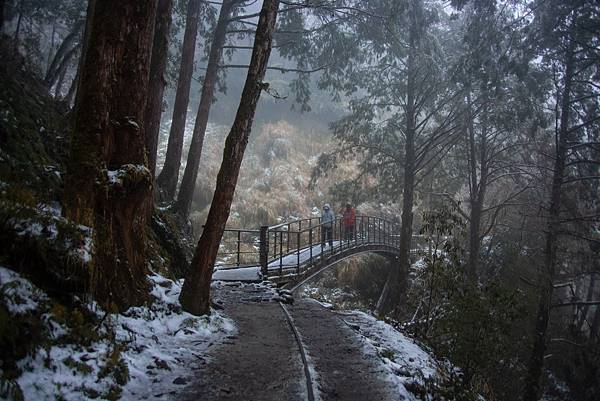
{"x":281,"y":253}
{"x":239,"y":240}
{"x":341,"y":241}
{"x":310,"y":244}
{"x":264,"y":250}
{"x":288,"y":239}
{"x":298,"y":254}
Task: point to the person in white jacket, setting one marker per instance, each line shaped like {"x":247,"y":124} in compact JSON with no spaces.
{"x":327,"y":221}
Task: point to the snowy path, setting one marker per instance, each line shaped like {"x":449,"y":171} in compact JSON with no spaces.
{"x":263,"y":361}
{"x":345,"y":371}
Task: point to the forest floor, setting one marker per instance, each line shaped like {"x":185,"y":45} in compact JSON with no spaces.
{"x":347,"y":357}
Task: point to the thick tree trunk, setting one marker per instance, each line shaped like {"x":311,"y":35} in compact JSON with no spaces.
{"x":536,"y":362}
{"x":394,"y":290}
{"x":65,"y":50}
{"x":108,"y":135}
{"x":195,"y":294}
{"x":158,"y":65}
{"x":169,"y":175}
{"x":188,"y":183}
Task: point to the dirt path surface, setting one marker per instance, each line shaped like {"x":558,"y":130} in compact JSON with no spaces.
{"x":262,"y":361}
{"x":344,"y":370}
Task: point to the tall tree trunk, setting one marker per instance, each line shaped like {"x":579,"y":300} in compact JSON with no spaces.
{"x":595,"y":326}
{"x":85,"y":44}
{"x":536,"y":362}
{"x":18,"y":28}
{"x":158,"y":65}
{"x":195,"y":294}
{"x":477,"y":190}
{"x":60,"y":81}
{"x":108,"y":135}
{"x":2,"y":7}
{"x":188,"y":183}
{"x":59,"y":78}
{"x":73,"y":88}
{"x":52,"y":37}
{"x":64,"y":50}
{"x":169,"y":175}
{"x":583,"y":310}
{"x":394,"y":290}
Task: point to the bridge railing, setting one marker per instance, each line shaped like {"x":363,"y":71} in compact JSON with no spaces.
{"x":239,"y":248}
{"x":290,"y":246}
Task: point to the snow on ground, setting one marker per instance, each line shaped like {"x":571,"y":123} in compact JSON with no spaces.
{"x":20,"y":296}
{"x":251,"y":274}
{"x":305,"y":254}
{"x":406,"y":362}
{"x":167,"y":340}
{"x":145,"y":353}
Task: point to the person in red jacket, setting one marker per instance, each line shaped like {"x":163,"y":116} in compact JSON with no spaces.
{"x":349,"y":222}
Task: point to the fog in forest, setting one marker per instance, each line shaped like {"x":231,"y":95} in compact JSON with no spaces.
{"x":326,"y":199}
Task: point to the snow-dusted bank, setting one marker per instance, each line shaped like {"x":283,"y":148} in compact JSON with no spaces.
{"x":407,"y":364}
{"x":147,"y":352}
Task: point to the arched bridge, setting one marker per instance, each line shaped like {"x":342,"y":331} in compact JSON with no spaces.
{"x":290,"y":252}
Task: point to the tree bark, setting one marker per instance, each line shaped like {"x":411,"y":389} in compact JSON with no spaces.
{"x":188,"y":183}
{"x":158,"y":64}
{"x":168,"y":177}
{"x":536,"y":362}
{"x":108,"y":135}
{"x":195,"y":294}
{"x":394,"y":290}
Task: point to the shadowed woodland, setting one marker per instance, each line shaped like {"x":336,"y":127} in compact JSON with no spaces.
{"x":132,"y":134}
